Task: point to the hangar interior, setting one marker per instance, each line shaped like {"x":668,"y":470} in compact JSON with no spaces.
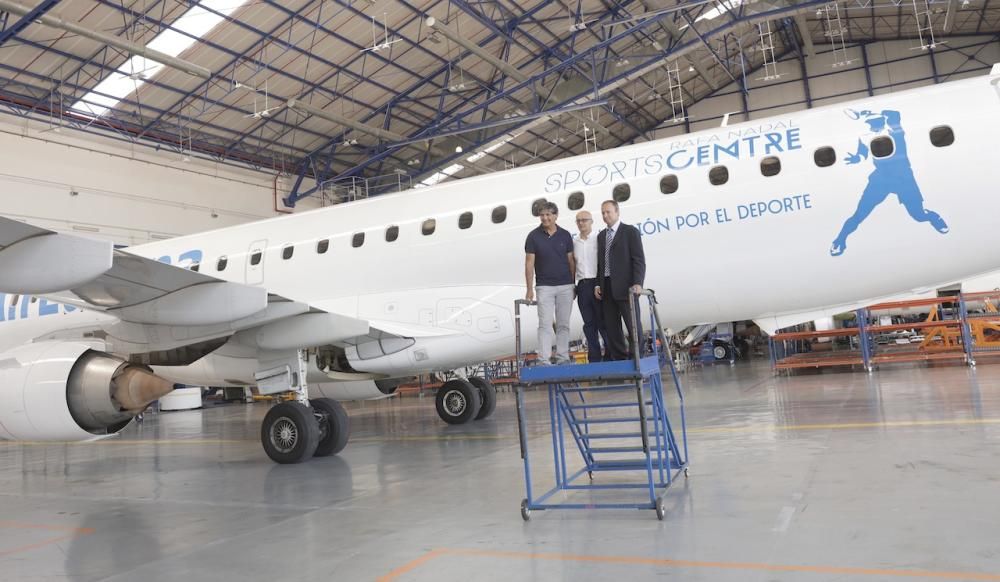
{"x":242,"y":111}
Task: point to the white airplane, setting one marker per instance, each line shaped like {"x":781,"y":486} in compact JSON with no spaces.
{"x":779,"y":220}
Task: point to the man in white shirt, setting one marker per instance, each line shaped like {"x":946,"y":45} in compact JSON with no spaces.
{"x":585,"y":251}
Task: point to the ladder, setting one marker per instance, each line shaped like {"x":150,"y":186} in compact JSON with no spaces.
{"x":614,"y":417}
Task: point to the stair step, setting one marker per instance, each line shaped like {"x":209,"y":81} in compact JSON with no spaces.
{"x":610,"y":420}
{"x":612,"y":435}
{"x":607,"y":405}
{"x":600,"y":388}
{"x":615,"y":449}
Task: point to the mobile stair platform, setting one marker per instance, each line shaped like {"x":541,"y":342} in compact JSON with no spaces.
{"x":610,"y":426}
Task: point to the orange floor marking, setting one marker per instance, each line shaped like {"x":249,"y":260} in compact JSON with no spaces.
{"x":841,"y":570}
{"x":72,"y":532}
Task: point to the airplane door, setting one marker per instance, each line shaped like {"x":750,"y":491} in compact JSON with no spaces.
{"x":256,"y":256}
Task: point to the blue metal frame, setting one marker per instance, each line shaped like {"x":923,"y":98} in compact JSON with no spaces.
{"x":9,"y":32}
{"x":664,"y":456}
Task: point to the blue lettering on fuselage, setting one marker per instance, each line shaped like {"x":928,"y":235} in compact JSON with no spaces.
{"x":737,"y":144}
{"x":30,"y":307}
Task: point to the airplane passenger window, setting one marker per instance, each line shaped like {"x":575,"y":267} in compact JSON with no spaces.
{"x":499,"y":214}
{"x":34,"y":299}
{"x":575,"y":201}
{"x":13,"y":302}
{"x":428,"y":227}
{"x":669,"y":184}
{"x":536,"y":206}
{"x":770,"y":166}
{"x":256,"y":257}
{"x":718,"y":175}
{"x":825,"y":157}
{"x":391,"y":233}
{"x":322,"y":246}
{"x":465,"y":220}
{"x":287,"y":252}
{"x":621,"y":193}
{"x":221,"y":265}
{"x":882,"y":147}
{"x":942,"y":136}
{"x":358,"y":239}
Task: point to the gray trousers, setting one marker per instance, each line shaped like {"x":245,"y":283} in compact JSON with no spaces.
{"x":558,"y":301}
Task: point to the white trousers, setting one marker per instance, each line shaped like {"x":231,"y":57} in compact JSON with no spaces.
{"x":554,"y":300}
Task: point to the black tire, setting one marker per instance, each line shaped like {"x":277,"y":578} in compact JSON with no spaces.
{"x":458,"y":401}
{"x":722,"y":352}
{"x":487,"y":393}
{"x":289,"y":433}
{"x":334,"y":427}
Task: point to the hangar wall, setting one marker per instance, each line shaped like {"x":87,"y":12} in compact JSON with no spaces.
{"x":130,"y":194}
{"x":894,"y":66}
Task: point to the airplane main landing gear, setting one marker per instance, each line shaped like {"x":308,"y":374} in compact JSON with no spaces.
{"x":289,"y":433}
{"x":297,"y":430}
{"x":459,"y":401}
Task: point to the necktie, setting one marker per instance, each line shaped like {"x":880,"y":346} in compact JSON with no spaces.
{"x":607,"y":252}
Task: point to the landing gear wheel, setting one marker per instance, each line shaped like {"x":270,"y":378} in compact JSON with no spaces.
{"x":334,"y":426}
{"x":487,"y":393}
{"x":525,"y":510}
{"x":289,"y":433}
{"x":722,"y":352}
{"x":661,"y":510}
{"x":458,"y":401}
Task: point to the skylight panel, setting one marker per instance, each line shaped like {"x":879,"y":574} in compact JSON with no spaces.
{"x":186,"y":30}
{"x":722,"y":8}
{"x":438,"y":176}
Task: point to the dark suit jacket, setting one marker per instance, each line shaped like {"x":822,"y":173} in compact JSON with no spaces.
{"x":628,"y":262}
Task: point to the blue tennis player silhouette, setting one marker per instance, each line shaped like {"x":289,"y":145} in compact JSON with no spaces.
{"x":892,"y":175}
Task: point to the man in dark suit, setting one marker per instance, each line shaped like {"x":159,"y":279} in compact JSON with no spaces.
{"x":621,"y":268}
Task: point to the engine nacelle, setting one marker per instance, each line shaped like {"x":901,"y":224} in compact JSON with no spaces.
{"x":69,"y":391}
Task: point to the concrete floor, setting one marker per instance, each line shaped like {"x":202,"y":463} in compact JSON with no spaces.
{"x":834,"y":476}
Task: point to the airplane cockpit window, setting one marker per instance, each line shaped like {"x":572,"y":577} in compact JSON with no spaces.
{"x":465,"y":220}
{"x":536,"y":206}
{"x":391,"y":233}
{"x":825,"y":157}
{"x":882,"y":146}
{"x":575,"y":201}
{"x":221,"y":265}
{"x":322,"y":246}
{"x":669,"y":184}
{"x":428,"y":227}
{"x":256,"y":257}
{"x":621,"y":193}
{"x":358,"y":239}
{"x":499,"y":214}
{"x":718,"y":175}
{"x":287,"y":252}
{"x":942,"y":136}
{"x":770,"y":166}
{"x":196,"y":267}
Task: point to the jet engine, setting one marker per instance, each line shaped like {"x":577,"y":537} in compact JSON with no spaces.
{"x":70,"y":391}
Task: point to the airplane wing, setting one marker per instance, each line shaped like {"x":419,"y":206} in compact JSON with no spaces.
{"x":91,"y":274}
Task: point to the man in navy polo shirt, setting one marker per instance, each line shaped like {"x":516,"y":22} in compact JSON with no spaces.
{"x":549,"y":261}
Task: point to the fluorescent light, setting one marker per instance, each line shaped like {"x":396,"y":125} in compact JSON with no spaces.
{"x":186,"y":30}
